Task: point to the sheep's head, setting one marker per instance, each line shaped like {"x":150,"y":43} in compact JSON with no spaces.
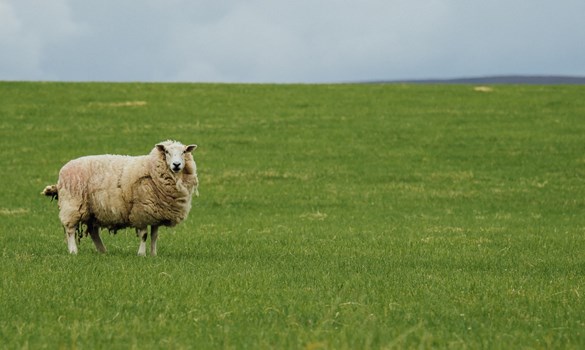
{"x":174,"y":154}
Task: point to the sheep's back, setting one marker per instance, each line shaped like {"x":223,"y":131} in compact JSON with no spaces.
{"x":97,"y":183}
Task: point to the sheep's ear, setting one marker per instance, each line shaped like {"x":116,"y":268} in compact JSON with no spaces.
{"x":161,"y":147}
{"x":190,"y":148}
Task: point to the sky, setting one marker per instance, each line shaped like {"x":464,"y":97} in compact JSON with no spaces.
{"x":288,"y":41}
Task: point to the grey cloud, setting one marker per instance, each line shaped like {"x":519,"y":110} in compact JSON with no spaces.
{"x":286,"y":41}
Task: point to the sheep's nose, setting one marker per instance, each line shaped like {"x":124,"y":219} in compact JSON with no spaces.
{"x":176,"y":165}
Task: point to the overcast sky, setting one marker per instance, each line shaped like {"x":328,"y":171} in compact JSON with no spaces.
{"x":288,"y":40}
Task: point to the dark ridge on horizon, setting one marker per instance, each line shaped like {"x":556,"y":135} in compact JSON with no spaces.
{"x":497,"y":79}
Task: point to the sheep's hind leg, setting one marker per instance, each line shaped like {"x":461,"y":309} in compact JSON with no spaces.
{"x":153,"y":237}
{"x":142,"y":233}
{"x":70,"y":232}
{"x":94,"y":232}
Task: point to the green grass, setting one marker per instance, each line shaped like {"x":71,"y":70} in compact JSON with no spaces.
{"x":330,"y":217}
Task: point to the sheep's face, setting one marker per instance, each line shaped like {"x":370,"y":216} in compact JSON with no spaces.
{"x":174,"y":154}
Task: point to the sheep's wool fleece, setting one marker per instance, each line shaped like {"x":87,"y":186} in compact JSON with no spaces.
{"x":122,"y":191}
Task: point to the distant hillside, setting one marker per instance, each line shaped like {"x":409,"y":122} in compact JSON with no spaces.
{"x":504,"y":79}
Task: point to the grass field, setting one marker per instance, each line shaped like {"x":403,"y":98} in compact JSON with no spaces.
{"x":330,"y":217}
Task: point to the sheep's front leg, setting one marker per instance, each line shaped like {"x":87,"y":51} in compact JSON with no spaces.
{"x":70,"y":236}
{"x":94,"y":232}
{"x":153,"y":237}
{"x":142,"y":233}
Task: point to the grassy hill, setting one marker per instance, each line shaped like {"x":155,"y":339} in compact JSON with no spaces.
{"x":505,"y":79}
{"x":330,"y":217}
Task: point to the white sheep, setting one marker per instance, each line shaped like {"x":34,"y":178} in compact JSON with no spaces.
{"x":115,"y":192}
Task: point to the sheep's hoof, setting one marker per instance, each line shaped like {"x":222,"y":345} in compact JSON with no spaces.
{"x":71,"y":242}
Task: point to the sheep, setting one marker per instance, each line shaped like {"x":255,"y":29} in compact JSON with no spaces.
{"x":115,"y":192}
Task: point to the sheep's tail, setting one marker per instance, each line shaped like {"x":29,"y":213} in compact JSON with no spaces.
{"x":51,"y":191}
